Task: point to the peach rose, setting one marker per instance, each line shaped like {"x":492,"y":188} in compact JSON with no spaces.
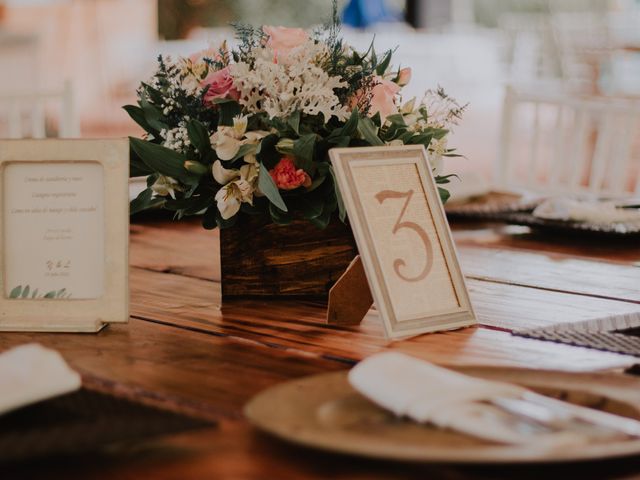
{"x":220,"y":85}
{"x":282,"y":39}
{"x":286,"y":177}
{"x":383,"y":96}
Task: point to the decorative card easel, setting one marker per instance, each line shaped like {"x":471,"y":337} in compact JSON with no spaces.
{"x":64,"y":230}
{"x":408,"y":260}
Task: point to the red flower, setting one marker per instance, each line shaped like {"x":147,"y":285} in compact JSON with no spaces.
{"x":286,"y":177}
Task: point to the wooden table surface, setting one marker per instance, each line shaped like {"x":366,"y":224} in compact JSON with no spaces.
{"x":183,"y":350}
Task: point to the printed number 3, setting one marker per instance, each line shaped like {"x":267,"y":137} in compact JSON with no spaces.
{"x":428,"y":249}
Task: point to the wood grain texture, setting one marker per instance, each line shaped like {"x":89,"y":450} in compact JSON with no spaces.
{"x":299,"y":326}
{"x":260,"y":258}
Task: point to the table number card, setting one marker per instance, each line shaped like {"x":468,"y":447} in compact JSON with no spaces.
{"x":403,"y":238}
{"x":64,"y":234}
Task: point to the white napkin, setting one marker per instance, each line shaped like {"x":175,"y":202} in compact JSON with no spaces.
{"x":30,"y":373}
{"x":584,"y":211}
{"x":426,"y":393}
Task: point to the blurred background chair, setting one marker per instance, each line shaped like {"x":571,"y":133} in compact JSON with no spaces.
{"x":565,"y":144}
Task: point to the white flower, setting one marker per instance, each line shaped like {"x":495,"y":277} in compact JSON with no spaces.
{"x":239,"y":187}
{"x":437,"y":148}
{"x":227,"y":141}
{"x":164,"y":186}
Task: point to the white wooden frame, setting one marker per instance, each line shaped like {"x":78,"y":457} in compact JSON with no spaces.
{"x":366,"y":229}
{"x":77,"y":315}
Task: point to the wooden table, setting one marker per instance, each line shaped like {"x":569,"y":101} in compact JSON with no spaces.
{"x":184,"y":351}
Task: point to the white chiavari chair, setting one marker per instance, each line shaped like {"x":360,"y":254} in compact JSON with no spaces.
{"x":25,"y":114}
{"x":558,"y":144}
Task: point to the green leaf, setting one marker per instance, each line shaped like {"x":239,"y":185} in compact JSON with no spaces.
{"x":199,"y":136}
{"x":153,"y":115}
{"x":137,"y":168}
{"x":311,"y":206}
{"x":209,"y":218}
{"x":163,"y":160}
{"x":144,"y":201}
{"x":294,"y":121}
{"x":34,"y":294}
{"x":369,"y":132}
{"x":15,"y":293}
{"x":303,"y":151}
{"x":51,"y":294}
{"x":228,"y":109}
{"x":245,"y":150}
{"x":349,"y":128}
{"x":137,"y":115}
{"x":444,"y":194}
{"x":342,"y":212}
{"x":25,"y":292}
{"x":397,"y":119}
{"x":279,"y":216}
{"x":420,"y":139}
{"x":384,"y":64}
{"x":268,"y":187}
{"x":322,"y":220}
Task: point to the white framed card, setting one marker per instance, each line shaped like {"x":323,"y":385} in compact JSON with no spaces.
{"x":403,"y":238}
{"x":64,"y":234}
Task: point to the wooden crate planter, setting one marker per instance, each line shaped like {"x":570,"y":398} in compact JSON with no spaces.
{"x":261,"y":259}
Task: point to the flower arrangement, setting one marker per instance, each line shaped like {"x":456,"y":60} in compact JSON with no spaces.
{"x":247,"y":130}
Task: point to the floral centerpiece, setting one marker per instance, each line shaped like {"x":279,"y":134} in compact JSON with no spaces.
{"x":245,"y":131}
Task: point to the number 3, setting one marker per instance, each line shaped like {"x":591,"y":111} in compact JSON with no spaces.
{"x":428,"y":249}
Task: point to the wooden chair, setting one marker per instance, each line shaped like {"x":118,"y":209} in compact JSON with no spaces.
{"x":25,"y":114}
{"x":554,"y":143}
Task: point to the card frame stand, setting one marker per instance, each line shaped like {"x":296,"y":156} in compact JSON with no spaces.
{"x":350,"y":297}
{"x":76,"y":315}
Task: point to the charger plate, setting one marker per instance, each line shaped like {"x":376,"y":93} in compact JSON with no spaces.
{"x":324,"y":412}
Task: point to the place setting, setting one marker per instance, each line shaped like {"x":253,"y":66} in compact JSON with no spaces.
{"x":347,"y":239}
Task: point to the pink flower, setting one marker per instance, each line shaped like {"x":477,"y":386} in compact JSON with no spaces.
{"x":282,"y":39}
{"x":286,"y":177}
{"x":383,"y":96}
{"x":404,"y":77}
{"x":220,"y":85}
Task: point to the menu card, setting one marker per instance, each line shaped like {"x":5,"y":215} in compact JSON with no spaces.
{"x":53,"y":230}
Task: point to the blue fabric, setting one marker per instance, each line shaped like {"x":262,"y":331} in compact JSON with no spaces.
{"x":363,"y":13}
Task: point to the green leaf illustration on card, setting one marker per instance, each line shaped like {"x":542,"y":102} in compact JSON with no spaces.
{"x":20,"y":292}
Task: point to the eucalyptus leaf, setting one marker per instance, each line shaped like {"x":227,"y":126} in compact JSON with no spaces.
{"x":269,"y":189}
{"x":303,"y":150}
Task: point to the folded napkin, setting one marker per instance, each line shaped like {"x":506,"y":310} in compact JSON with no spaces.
{"x":584,"y":211}
{"x":426,"y":393}
{"x":31,"y":373}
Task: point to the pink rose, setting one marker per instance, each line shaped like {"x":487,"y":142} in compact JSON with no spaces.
{"x":286,"y":177}
{"x":383,"y":98}
{"x":404,"y":77}
{"x":220,"y":85}
{"x":282,"y":39}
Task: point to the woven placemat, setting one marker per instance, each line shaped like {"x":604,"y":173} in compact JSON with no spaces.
{"x":81,"y":422}
{"x":621,"y":341}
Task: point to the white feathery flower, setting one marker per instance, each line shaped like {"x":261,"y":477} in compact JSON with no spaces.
{"x":282,"y":88}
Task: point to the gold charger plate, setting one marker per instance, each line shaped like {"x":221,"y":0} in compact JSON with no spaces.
{"x":324,"y":412}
